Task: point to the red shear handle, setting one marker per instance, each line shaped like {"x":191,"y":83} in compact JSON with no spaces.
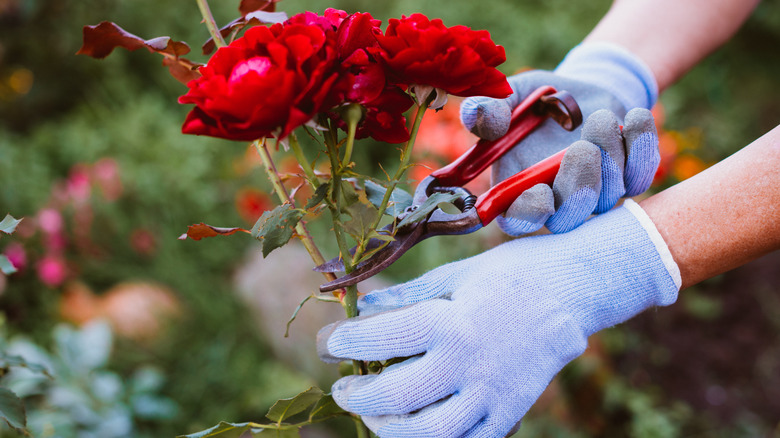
{"x":474,"y":161}
{"x":498,"y":199}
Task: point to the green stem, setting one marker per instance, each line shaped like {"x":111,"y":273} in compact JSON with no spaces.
{"x":335,"y":204}
{"x":360,"y":427}
{"x":211,"y":24}
{"x":352,"y":128}
{"x":284,"y":196}
{"x":305,"y":165}
{"x":406,"y":156}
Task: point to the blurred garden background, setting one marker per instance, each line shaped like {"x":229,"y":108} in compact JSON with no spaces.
{"x":146,"y":335}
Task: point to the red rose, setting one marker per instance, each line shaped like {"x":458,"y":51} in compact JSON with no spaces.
{"x":266,"y":83}
{"x":384,"y":119}
{"x":456,"y":59}
{"x":365,"y":82}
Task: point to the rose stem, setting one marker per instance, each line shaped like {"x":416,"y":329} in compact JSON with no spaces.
{"x":211,"y":24}
{"x":281,"y":193}
{"x":335,"y":204}
{"x":305,"y":165}
{"x":406,"y":155}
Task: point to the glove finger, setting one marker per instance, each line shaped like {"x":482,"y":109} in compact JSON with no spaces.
{"x":486,"y":117}
{"x":603,"y":130}
{"x":529,"y":211}
{"x":577,"y":186}
{"x":396,"y":333}
{"x":433,"y":284}
{"x":399,"y":389}
{"x":642,"y":150}
{"x":446,"y":418}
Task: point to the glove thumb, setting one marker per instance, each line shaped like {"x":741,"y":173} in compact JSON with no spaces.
{"x":486,"y":117}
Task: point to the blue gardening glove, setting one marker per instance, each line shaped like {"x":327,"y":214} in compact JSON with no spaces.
{"x":602,"y":165}
{"x":489,"y":333}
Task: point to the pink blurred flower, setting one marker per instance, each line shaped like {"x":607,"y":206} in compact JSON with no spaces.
{"x":52,"y":270}
{"x":106,"y":174}
{"x":78,"y":184}
{"x":16,"y":255}
{"x":50,"y":221}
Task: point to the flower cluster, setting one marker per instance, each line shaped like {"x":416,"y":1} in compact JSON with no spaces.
{"x":277,"y":78}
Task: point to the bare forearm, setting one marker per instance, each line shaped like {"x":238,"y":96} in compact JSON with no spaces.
{"x":671,"y":36}
{"x":725,"y":216}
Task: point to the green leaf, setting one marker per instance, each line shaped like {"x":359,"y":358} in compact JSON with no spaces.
{"x":223,"y":428}
{"x":362,"y":218}
{"x":7,"y":361}
{"x":12,"y":410}
{"x":6,"y":267}
{"x":427,"y":207}
{"x":276,"y":227}
{"x":280,"y":433}
{"x":325,"y":407}
{"x":8,"y":224}
{"x":288,"y":407}
{"x":348,"y":193}
{"x":318,"y":196}
{"x":399,"y":199}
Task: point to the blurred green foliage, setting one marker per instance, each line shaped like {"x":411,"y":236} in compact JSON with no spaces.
{"x":57,"y":110}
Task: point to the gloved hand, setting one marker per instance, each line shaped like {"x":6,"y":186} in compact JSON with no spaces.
{"x":489,"y":333}
{"x":607,"y":82}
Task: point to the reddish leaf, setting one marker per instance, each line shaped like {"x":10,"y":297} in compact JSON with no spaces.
{"x":100,"y":40}
{"x":201,"y":231}
{"x":249,"y":6}
{"x":251,"y":19}
{"x":182,"y":69}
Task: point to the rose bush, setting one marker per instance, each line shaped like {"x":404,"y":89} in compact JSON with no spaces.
{"x":340,"y":74}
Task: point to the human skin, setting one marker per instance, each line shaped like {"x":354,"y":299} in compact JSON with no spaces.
{"x":725,"y":216}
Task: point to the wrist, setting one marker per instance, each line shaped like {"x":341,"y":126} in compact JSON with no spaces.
{"x":614,"y":69}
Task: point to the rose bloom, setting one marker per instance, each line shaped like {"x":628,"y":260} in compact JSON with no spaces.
{"x":266,"y":83}
{"x":455,"y":59}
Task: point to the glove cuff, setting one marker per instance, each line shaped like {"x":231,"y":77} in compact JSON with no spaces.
{"x":612,"y":68}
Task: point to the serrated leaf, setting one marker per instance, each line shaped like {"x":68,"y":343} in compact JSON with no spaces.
{"x":362,"y":218}
{"x":399,"y":199}
{"x":276,"y":227}
{"x":9,"y":360}
{"x":6,"y":267}
{"x":223,"y":428}
{"x":349,"y":194}
{"x":201,"y":231}
{"x":427,"y":207}
{"x":12,"y":410}
{"x":325,"y":407}
{"x":318,"y":196}
{"x":8,"y":224}
{"x":288,"y":407}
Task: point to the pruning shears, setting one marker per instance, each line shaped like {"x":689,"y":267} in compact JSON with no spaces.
{"x":475,"y":212}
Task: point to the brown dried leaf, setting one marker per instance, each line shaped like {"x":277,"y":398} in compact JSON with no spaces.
{"x":249,"y":6}
{"x":182,"y":69}
{"x":100,"y":40}
{"x":201,"y":231}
